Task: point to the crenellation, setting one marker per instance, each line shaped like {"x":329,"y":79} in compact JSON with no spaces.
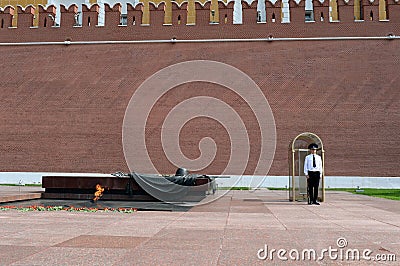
{"x":69,"y":16}
{"x":47,"y":16}
{"x":203,"y":12}
{"x":90,"y":15}
{"x":321,"y":11}
{"x":163,"y":16}
{"x":249,"y":12}
{"x":113,"y":15}
{"x":226,"y":12}
{"x":393,"y":10}
{"x":297,"y":11}
{"x":6,"y":17}
{"x":297,"y":3}
{"x":157,"y":14}
{"x":273,"y":11}
{"x":179,"y":14}
{"x":25,"y":16}
{"x":135,"y":14}
{"x":370,"y":10}
{"x":346,"y":11}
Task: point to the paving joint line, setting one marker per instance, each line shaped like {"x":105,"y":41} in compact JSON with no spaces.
{"x":224,"y":232}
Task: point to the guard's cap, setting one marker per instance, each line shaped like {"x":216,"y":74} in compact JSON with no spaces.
{"x":313,"y":146}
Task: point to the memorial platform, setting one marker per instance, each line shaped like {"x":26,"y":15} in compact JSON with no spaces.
{"x":126,"y":187}
{"x":18,"y":193}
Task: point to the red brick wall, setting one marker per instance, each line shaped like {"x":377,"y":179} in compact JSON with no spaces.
{"x":297,"y":13}
{"x":66,"y":112}
{"x":62,"y":107}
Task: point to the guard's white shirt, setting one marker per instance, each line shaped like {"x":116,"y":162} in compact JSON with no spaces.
{"x":308,"y":164}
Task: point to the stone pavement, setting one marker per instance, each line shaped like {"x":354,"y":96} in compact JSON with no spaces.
{"x":235,"y":229}
{"x":14,"y":193}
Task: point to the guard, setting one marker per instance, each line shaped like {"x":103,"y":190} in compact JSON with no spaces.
{"x":313,"y":172}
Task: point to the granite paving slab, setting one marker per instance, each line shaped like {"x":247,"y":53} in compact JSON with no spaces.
{"x":230,"y":230}
{"x":100,"y":241}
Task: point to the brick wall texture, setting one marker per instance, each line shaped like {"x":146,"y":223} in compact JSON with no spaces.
{"x":62,"y":106}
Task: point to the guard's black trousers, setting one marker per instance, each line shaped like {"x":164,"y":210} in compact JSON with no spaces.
{"x":313,"y":184}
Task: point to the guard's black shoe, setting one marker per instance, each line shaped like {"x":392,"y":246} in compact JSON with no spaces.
{"x":316,"y":203}
{"x":309,"y":203}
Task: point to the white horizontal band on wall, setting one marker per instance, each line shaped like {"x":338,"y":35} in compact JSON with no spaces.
{"x":229,"y":181}
{"x":173,"y":40}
